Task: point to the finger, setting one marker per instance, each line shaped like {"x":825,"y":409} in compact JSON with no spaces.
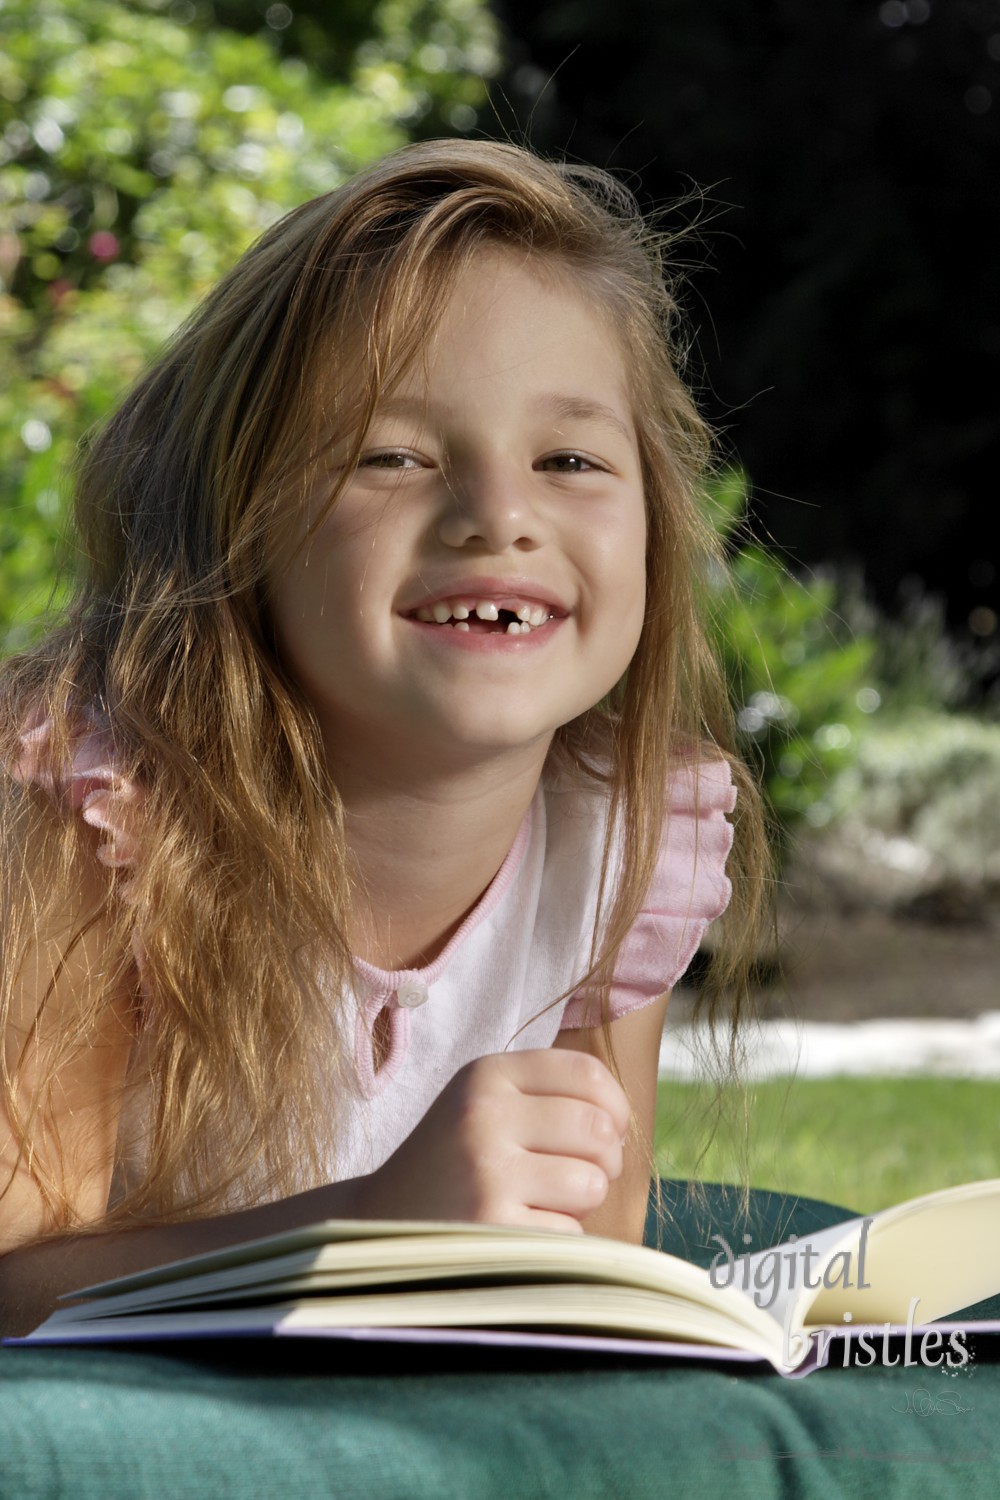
{"x":536,"y":1218}
{"x":561,"y":1184}
{"x":571,"y":1074}
{"x":556,"y":1126}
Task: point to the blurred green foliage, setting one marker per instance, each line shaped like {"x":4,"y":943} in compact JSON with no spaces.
{"x":142,"y":148}
{"x":803,"y":678}
{"x":929,"y":779}
{"x":443,"y":47}
{"x":920,"y":664}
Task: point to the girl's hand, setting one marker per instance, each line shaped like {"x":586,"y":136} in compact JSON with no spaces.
{"x":531,"y":1139}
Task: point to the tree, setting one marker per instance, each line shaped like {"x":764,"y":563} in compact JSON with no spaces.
{"x":141,"y":150}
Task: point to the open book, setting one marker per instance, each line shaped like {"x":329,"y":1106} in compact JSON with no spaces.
{"x":895,"y":1271}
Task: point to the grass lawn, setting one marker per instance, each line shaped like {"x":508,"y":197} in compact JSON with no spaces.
{"x":861,"y":1142}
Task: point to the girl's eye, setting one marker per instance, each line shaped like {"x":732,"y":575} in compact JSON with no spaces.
{"x":567,"y":463}
{"x":388,"y":458}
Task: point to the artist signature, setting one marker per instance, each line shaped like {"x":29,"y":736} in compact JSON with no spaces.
{"x":921,"y":1403}
{"x":747,"y":1453}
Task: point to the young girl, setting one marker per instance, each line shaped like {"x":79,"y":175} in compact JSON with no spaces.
{"x":361,"y":815}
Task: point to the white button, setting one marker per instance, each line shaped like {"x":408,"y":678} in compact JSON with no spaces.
{"x":412,"y":992}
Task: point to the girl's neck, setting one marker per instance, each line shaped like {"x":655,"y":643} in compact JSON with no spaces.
{"x":424,"y":848}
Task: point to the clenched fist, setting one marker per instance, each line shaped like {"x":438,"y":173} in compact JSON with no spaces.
{"x":531,"y":1139}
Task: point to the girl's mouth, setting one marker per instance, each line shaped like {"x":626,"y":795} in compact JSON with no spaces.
{"x":484,"y":616}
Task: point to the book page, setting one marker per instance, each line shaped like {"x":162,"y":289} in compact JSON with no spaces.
{"x":786,"y":1276}
{"x":551,"y":1308}
{"x":945,"y":1253}
{"x":309,"y":1237}
{"x":501,"y":1258}
{"x":942,"y":1248}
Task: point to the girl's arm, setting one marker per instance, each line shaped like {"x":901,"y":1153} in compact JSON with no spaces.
{"x":636,"y":1042}
{"x":523,"y":1138}
{"x":64,"y":1099}
{"x":72,"y":1124}
{"x":528,"y":1138}
{"x":34,"y":1276}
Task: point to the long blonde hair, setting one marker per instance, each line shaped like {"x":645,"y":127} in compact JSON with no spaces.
{"x":181,"y":507}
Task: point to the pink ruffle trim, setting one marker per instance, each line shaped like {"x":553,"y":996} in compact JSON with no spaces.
{"x":689,"y":889}
{"x":92,"y":785}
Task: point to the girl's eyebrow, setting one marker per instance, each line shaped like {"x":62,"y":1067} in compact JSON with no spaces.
{"x":582,"y":408}
{"x":565,"y":408}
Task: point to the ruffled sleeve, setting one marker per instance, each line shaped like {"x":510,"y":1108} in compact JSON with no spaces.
{"x":689,"y":889}
{"x":91,"y":784}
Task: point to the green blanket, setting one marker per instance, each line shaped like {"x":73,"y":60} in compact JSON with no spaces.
{"x":304,"y":1419}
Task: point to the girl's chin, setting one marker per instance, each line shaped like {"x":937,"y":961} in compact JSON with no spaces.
{"x":463,"y":742}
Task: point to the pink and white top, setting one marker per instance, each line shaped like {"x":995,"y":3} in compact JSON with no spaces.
{"x":526,"y":942}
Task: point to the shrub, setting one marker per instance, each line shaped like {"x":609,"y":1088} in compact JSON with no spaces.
{"x":803,"y":679}
{"x":932,"y":780}
{"x":141,"y":152}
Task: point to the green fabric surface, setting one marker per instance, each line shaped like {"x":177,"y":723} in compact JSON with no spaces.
{"x":683,"y":1217}
{"x":303,"y":1419}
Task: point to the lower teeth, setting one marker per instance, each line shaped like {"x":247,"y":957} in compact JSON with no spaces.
{"x":514,"y":627}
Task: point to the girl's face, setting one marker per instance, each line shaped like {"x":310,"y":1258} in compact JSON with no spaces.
{"x":480,"y":580}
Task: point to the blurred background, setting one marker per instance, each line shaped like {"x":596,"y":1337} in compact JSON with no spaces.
{"x":834,"y":174}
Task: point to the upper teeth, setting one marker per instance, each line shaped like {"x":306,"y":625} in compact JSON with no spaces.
{"x":529,"y":616}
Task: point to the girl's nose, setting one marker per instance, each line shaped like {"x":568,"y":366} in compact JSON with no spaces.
{"x":493,"y":509}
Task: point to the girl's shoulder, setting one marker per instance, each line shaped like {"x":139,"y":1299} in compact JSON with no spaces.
{"x":696,"y":841}
{"x":696,"y":836}
{"x":80,"y":771}
{"x":68,"y":994}
{"x":689,"y":888}
{"x":702,"y":787}
{"x":699,"y":785}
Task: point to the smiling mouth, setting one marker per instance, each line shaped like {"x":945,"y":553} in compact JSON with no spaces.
{"x":483,"y":617}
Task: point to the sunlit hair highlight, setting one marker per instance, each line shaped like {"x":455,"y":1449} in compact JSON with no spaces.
{"x":185,"y":504}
